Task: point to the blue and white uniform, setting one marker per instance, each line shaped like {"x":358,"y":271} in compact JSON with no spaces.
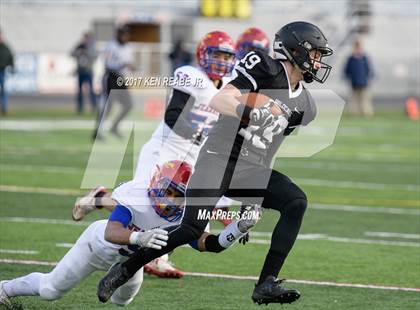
{"x":92,"y":252}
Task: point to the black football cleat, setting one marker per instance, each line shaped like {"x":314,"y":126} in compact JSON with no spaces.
{"x":270,"y":291}
{"x":117,"y":275}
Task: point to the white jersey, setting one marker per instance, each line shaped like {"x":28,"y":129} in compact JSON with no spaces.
{"x":165,"y":144}
{"x":201,"y":89}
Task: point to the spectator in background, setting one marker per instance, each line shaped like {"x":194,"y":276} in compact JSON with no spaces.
{"x":119,"y":61}
{"x":358,"y":72}
{"x":179,"y":56}
{"x":85,"y":55}
{"x":6,"y":60}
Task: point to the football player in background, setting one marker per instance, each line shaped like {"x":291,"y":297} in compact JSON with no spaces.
{"x":252,"y":40}
{"x":136,"y":221}
{"x":238,"y":154}
{"x":180,"y":135}
{"x":119,"y":62}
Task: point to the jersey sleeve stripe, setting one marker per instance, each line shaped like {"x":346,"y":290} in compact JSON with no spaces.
{"x":248,"y":76}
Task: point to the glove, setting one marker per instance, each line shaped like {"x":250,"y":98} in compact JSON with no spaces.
{"x":244,"y":239}
{"x":262,"y":116}
{"x":246,"y":224}
{"x":262,"y":136}
{"x":154,"y":238}
{"x":275,"y":128}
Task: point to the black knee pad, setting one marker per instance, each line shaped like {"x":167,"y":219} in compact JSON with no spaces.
{"x":296,"y":207}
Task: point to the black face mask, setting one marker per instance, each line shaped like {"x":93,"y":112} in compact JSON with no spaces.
{"x":307,"y":77}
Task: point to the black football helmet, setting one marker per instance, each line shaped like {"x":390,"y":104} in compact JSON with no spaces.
{"x":294,"y":41}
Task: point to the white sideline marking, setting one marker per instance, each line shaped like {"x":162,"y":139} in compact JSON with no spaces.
{"x":46,"y":125}
{"x":337,"y":207}
{"x":391,"y":235}
{"x":334,"y":166}
{"x":376,"y":210}
{"x":322,"y":237}
{"x":313,"y":165}
{"x":361,"y":185}
{"x":26,"y":252}
{"x":64,"y":245}
{"x":40,"y":190}
{"x":50,"y":169}
{"x":308,"y":182}
{"x":42,"y":221}
{"x":41,"y":168}
{"x":309,"y":282}
{"x":227,"y":276}
{"x":368,"y":241}
{"x":27,"y":262}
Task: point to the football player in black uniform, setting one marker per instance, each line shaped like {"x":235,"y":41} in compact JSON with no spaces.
{"x":236,"y":158}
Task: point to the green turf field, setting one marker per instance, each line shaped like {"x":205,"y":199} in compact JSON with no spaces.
{"x":362,"y":225}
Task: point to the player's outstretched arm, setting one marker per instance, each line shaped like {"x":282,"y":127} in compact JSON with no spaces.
{"x":97,"y":198}
{"x":225,"y":101}
{"x":116,"y":231}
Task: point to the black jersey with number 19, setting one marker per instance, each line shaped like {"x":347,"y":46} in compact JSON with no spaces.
{"x":260,"y":73}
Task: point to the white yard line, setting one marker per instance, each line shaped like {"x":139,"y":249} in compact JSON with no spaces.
{"x":360,"y":185}
{"x":314,"y":166}
{"x":344,"y":240}
{"x":313,"y":237}
{"x":253,"y":233}
{"x":17,"y":219}
{"x":339,"y":166}
{"x":312,"y":182}
{"x":253,"y":278}
{"x":384,"y":234}
{"x":309,"y":282}
{"x":25,"y":252}
{"x":47,"y":125}
{"x":41,"y":168}
{"x":363,"y":209}
{"x":370,"y":241}
{"x":27,"y":262}
{"x":64,"y":245}
{"x":40,"y":190}
{"x":51,"y":169}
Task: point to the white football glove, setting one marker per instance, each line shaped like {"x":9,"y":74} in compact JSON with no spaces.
{"x":262,"y":116}
{"x":262,"y":136}
{"x":154,"y":238}
{"x":275,"y":128}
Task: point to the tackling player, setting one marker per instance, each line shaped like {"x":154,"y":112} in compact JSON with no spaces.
{"x":137,"y":221}
{"x":243,"y":166}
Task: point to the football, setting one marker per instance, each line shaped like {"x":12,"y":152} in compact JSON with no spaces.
{"x":256,"y":100}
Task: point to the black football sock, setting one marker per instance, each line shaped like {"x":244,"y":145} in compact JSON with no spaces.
{"x":283,"y":238}
{"x":272,"y":265}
